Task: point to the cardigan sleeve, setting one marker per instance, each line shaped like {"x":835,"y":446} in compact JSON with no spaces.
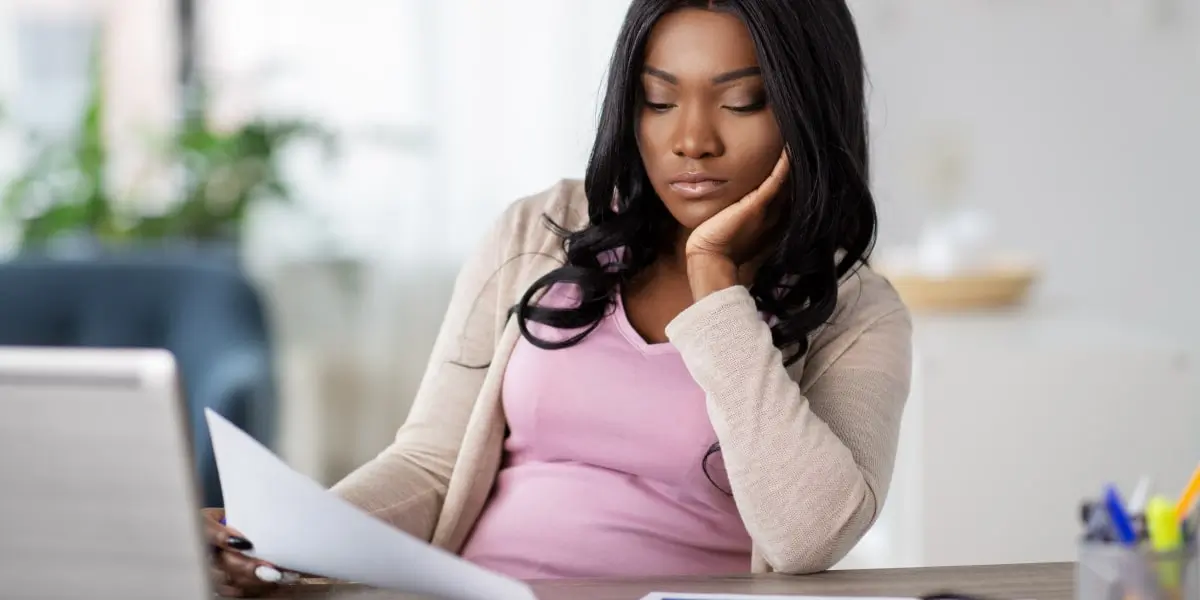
{"x":406,"y":483}
{"x":808,"y":471}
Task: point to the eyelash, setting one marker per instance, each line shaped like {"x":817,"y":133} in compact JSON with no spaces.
{"x":741,"y":110}
{"x":749,"y":108}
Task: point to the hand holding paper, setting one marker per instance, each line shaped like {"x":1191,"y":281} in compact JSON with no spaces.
{"x":298,"y":525}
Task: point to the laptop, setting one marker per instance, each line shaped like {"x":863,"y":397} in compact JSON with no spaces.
{"x":98,"y":497}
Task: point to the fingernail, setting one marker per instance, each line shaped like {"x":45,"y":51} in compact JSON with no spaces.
{"x":268,"y":574}
{"x":239,"y":543}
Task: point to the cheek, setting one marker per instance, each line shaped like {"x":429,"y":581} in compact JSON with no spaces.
{"x":755,"y":146}
{"x":652,"y":139}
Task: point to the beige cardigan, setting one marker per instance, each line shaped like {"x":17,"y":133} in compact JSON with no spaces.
{"x":808,"y":449}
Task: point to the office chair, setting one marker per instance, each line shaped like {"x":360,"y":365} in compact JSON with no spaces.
{"x":201,"y":308}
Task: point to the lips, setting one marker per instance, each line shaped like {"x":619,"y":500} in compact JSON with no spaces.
{"x":696,"y":185}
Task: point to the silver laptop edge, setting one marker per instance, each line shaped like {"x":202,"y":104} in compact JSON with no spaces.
{"x":98,"y":496}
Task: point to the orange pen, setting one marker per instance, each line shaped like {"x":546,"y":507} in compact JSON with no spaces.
{"x":1187,"y":500}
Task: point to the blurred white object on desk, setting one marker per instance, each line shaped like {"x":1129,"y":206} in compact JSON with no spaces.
{"x":960,"y":243}
{"x":956,"y":265}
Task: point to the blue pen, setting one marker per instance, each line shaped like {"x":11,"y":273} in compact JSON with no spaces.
{"x":1121,"y":524}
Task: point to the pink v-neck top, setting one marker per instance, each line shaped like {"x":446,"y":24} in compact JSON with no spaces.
{"x":603,"y":470}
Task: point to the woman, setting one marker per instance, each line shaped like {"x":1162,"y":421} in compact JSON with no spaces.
{"x":681,"y":365}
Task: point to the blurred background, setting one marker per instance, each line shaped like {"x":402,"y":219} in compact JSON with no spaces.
{"x":281,"y":191}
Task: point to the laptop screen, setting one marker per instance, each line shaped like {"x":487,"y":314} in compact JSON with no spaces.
{"x":97,"y":491}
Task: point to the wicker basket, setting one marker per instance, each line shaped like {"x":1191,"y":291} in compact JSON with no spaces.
{"x":998,"y":287}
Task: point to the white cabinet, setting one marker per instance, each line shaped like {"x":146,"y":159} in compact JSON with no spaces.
{"x":1014,"y":417}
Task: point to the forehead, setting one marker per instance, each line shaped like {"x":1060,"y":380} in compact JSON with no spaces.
{"x":694,"y":42}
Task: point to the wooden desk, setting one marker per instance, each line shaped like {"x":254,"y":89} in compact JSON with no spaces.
{"x":1053,"y":581}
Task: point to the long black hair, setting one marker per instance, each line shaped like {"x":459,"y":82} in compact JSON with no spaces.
{"x":813,"y":71}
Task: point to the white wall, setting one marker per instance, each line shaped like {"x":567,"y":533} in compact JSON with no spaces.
{"x":490,"y":101}
{"x":1078,"y":120}
{"x":1082,"y":126}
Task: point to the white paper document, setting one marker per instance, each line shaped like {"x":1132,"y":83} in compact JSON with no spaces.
{"x":687,"y":596}
{"x":297,"y":524}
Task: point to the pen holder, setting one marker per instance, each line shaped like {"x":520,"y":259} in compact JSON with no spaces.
{"x":1116,"y":572}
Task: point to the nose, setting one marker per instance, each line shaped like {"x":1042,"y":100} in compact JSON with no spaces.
{"x":696,"y":136}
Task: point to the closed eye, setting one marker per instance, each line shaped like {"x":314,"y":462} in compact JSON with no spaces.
{"x":656,"y":107}
{"x":748,"y":108}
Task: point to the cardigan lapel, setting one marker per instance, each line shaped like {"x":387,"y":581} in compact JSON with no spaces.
{"x":480,"y":454}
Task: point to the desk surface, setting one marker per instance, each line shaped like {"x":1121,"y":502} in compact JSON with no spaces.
{"x":1001,"y":582}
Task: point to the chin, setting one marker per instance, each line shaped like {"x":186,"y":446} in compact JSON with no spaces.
{"x":690,"y":214}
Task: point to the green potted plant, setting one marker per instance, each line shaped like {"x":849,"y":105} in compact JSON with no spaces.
{"x":62,"y":195}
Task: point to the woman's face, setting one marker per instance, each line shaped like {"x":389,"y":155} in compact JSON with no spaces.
{"x":705,"y":133}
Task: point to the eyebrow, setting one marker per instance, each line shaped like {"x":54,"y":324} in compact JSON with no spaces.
{"x":719,"y":79}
